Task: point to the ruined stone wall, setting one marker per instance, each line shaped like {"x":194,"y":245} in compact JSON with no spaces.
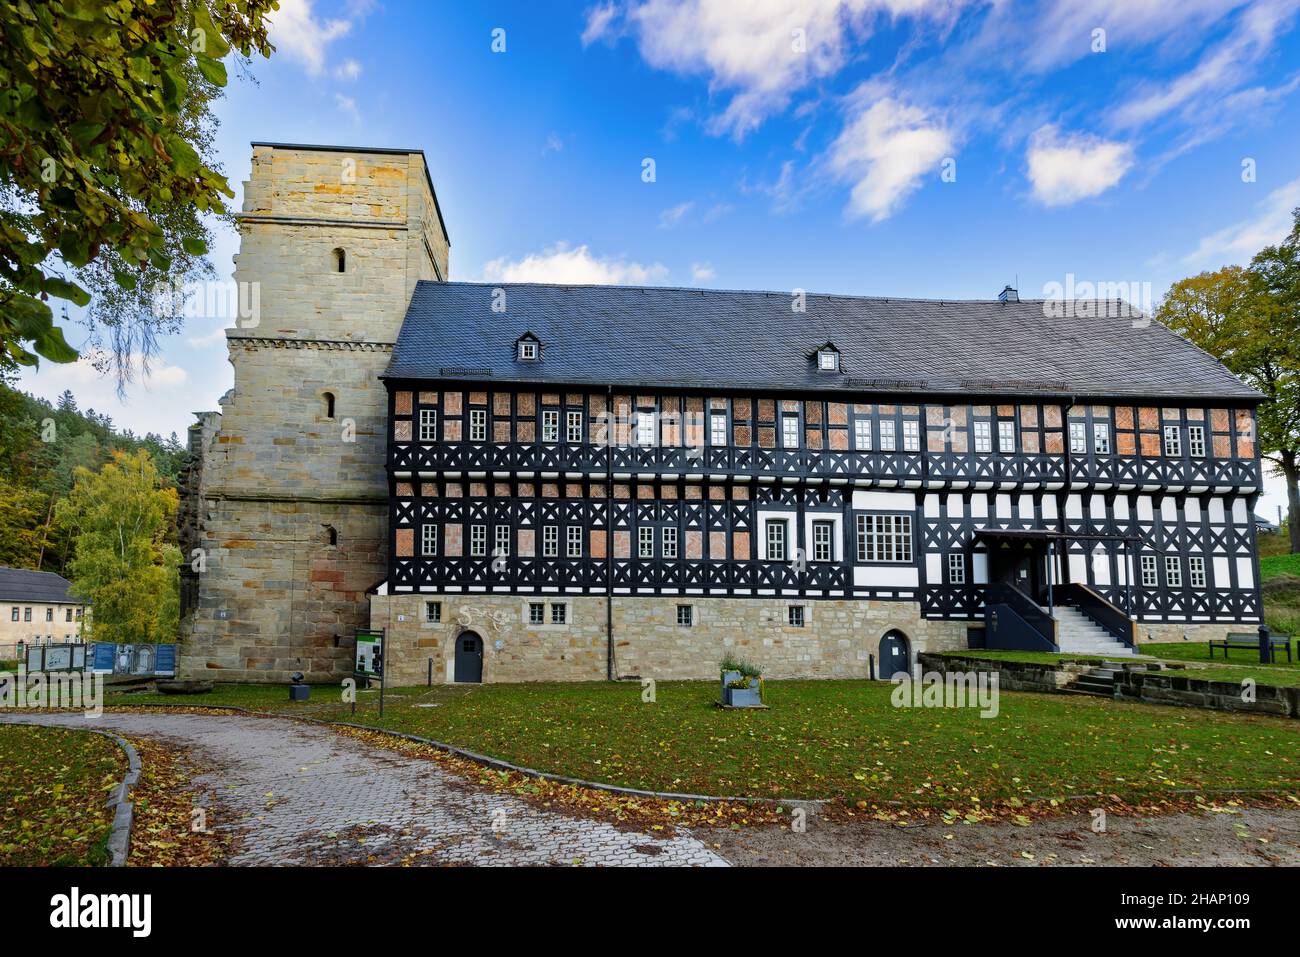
{"x":294,"y":499}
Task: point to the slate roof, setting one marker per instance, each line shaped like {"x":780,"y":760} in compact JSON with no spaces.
{"x":663,"y":337}
{"x":21,"y":585}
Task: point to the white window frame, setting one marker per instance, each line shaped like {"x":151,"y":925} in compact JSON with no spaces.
{"x":478,"y":541}
{"x":527,"y":350}
{"x":501,"y":542}
{"x":956,"y":568}
{"x":789,"y":431}
{"x":862,"y":434}
{"x":1150,"y":571}
{"x":1100,"y":438}
{"x":550,"y":541}
{"x":433,"y":612}
{"x":645,"y":542}
{"x":428,"y":425}
{"x":573,"y":427}
{"x":1173,"y":572}
{"x":1078,"y":438}
{"x":550,"y":426}
{"x":573,"y":541}
{"x":685,"y":616}
{"x":429,"y":539}
{"x":478,"y":425}
{"x":777,"y":539}
{"x":884,"y":538}
{"x":559,"y":613}
{"x":828,"y":360}
{"x":823,"y":541}
{"x":1196,"y":441}
{"x":645,"y":429}
{"x":795,"y":616}
{"x":537,"y":613}
{"x":911,"y":435}
{"x":983,"y":436}
{"x":718,"y":429}
{"x":1196,"y":571}
{"x":887,"y":435}
{"x":1173,"y":442}
{"x":669,"y":541}
{"x":1006,"y":436}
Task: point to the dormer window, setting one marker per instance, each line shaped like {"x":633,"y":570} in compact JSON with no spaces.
{"x":528,"y":348}
{"x":828,"y":358}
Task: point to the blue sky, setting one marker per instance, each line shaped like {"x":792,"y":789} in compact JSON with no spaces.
{"x":885,"y":147}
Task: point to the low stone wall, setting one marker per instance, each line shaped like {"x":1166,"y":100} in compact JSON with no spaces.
{"x":1192,"y":632}
{"x":836,"y":641}
{"x":1184,"y":689}
{"x":1012,"y":675}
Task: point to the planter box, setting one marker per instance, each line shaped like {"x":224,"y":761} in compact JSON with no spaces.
{"x":750,"y":697}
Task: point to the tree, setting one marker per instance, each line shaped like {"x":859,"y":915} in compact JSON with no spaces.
{"x":105,"y":159}
{"x":22,"y":516}
{"x":1240,"y":316}
{"x":123,"y":516}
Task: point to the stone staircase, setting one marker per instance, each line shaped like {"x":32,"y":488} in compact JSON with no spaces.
{"x":1078,"y":634}
{"x":1097,"y":683}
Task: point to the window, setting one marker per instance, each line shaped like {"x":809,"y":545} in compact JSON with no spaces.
{"x":1101,"y":438}
{"x":685,"y":616}
{"x":527,"y":350}
{"x":551,"y":426}
{"x":645,"y":542}
{"x":79,"y":614}
{"x":27,"y":614}
{"x":574,"y":543}
{"x":1173,"y":572}
{"x":13,"y":616}
{"x":790,"y":432}
{"x":1078,"y":438}
{"x":502,"y":548}
{"x":428,"y":425}
{"x":1196,"y":571}
{"x":718,"y":429}
{"x":983,"y":437}
{"x":823,"y":537}
{"x":1006,"y":437}
{"x":574,"y":428}
{"x":776,"y":541}
{"x":645,"y":428}
{"x":550,"y":541}
{"x":911,"y":435}
{"x":49,"y":614}
{"x":478,"y":425}
{"x":956,"y":568}
{"x":887,"y":435}
{"x":1196,"y":441}
{"x":433,"y":611}
{"x":559,"y":613}
{"x":862,"y":434}
{"x":537,"y":613}
{"x":670,"y":542}
{"x":1173,"y":442}
{"x":477,"y":541}
{"x":429,"y":539}
{"x":1150,"y":579}
{"x":328,"y":398}
{"x":331,"y":537}
{"x":828,"y":360}
{"x":794,"y":615}
{"x":884,"y":538}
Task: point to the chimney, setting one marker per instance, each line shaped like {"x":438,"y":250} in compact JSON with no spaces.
{"x":1008,"y":294}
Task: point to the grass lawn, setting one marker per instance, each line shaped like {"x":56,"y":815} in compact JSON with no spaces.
{"x":53,"y":785}
{"x":828,"y":739}
{"x":1024,"y":657}
{"x":1271,"y":566}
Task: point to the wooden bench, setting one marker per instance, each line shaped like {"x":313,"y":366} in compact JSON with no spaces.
{"x":1250,"y":640}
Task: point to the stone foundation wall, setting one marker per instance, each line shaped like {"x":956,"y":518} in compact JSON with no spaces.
{"x":1174,"y":631}
{"x":1012,"y":675}
{"x":1187,"y":691}
{"x":836,"y":641}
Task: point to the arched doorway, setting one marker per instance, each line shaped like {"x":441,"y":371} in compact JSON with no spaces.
{"x":469,"y":657}
{"x":894,"y":654}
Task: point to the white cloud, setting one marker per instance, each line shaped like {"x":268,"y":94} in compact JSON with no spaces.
{"x":762,"y":50}
{"x":675,"y":214}
{"x":1240,"y":241}
{"x":1066,"y":169}
{"x":348,"y":105}
{"x":600,"y":23}
{"x":554,"y":144}
{"x":348,"y":70}
{"x":884,"y":151}
{"x":702,"y":272}
{"x":151,"y":404}
{"x":300,"y":36}
{"x":565,"y":266}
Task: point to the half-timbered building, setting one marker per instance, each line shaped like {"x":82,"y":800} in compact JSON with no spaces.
{"x":592,"y":481}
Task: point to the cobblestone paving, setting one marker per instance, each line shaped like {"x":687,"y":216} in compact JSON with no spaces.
{"x":298,"y":794}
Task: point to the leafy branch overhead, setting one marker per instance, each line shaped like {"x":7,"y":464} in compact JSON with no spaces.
{"x":95,"y":145}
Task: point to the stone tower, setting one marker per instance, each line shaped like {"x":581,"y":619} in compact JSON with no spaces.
{"x":293,"y":505}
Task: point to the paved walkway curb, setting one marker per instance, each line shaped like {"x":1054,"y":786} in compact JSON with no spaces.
{"x":119,"y":835}
{"x":495,"y":763}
